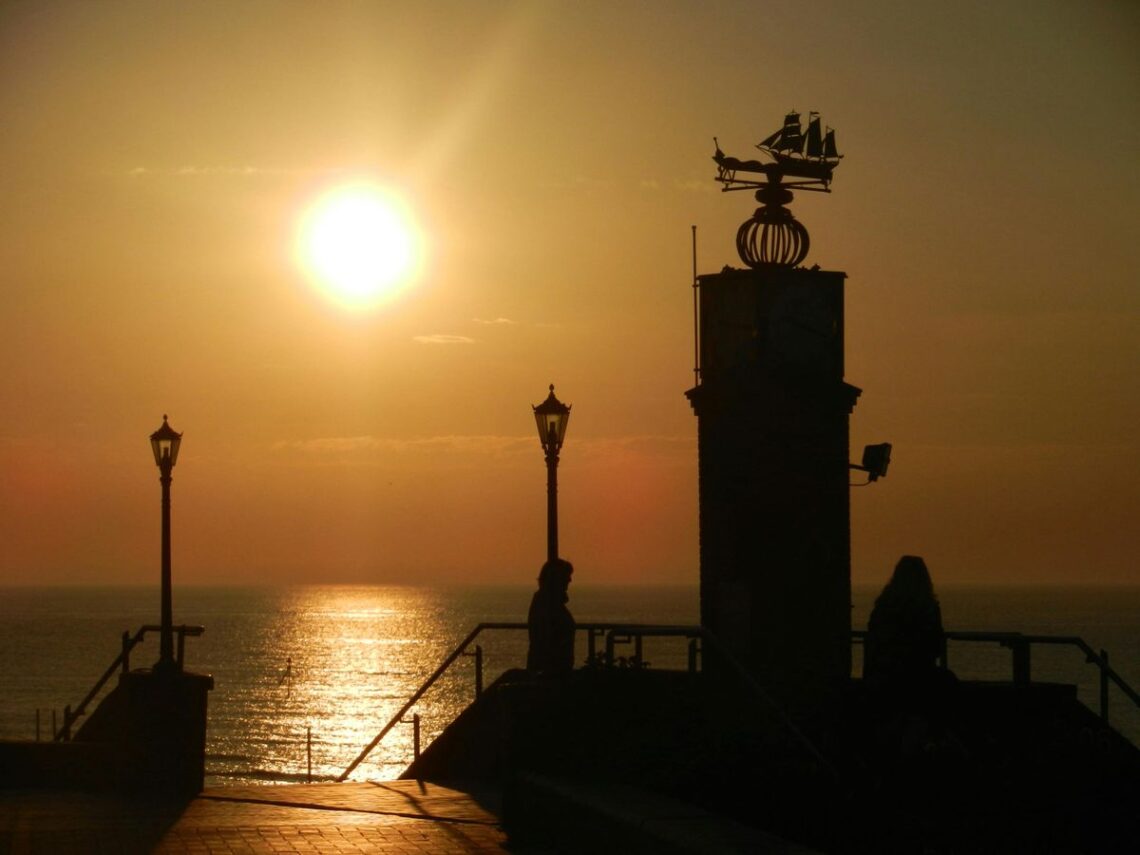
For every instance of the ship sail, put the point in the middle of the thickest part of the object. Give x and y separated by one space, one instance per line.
791 137
829 149
767 142
814 139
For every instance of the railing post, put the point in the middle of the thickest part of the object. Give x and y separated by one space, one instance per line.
1020 649
66 723
37 724
416 735
1104 685
692 656
181 645
309 754
478 671
610 649
637 650
126 651
591 647
54 732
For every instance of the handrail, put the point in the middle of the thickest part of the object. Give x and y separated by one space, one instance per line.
590 628
1019 645
419 693
613 632
727 656
122 660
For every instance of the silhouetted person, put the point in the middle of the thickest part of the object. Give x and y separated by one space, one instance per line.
913 699
550 624
904 634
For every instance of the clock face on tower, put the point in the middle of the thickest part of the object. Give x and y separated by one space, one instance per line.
803 329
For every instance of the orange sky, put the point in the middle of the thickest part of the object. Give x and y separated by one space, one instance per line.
158 157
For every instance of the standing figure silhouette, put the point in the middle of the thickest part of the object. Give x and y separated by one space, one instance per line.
550 624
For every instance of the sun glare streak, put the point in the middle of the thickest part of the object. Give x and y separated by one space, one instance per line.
501 55
360 245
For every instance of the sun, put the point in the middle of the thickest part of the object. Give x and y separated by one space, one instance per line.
360 245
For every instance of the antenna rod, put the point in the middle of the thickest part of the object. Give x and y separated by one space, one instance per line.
696 321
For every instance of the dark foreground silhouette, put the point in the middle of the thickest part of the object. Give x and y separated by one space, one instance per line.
550 624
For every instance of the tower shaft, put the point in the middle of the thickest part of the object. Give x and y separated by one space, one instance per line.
773 412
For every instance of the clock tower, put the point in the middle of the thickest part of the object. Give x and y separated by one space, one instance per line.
773 412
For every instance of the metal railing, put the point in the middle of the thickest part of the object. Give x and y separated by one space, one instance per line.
122 662
613 634
1020 648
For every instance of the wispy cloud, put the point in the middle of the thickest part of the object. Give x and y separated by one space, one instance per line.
493 445
694 185
238 171
443 338
433 445
499 321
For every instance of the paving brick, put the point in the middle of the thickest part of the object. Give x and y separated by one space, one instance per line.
397 818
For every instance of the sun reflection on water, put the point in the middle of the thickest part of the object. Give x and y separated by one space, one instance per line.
340 661
337 662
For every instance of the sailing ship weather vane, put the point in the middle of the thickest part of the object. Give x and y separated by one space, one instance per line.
772 237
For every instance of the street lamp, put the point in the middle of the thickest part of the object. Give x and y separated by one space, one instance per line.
551 416
165 442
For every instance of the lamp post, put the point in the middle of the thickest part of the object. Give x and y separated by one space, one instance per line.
165 442
551 416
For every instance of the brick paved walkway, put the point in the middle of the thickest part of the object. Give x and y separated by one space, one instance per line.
398 817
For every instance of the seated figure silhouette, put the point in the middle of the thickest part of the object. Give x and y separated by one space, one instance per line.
550 624
904 634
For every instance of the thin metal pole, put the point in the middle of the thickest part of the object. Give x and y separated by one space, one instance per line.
696 317
478 671
309 753
551 506
416 735
166 649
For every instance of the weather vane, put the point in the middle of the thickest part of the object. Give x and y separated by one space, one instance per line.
772 236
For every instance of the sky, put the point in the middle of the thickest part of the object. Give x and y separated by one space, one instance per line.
160 158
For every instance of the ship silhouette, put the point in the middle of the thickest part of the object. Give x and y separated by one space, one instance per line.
810 157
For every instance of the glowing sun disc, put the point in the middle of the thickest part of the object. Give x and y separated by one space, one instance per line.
360 244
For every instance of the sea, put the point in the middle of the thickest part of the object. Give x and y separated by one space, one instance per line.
306 676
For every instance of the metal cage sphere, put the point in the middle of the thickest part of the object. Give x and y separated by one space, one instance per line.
772 236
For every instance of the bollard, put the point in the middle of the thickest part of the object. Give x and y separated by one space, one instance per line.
1104 685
